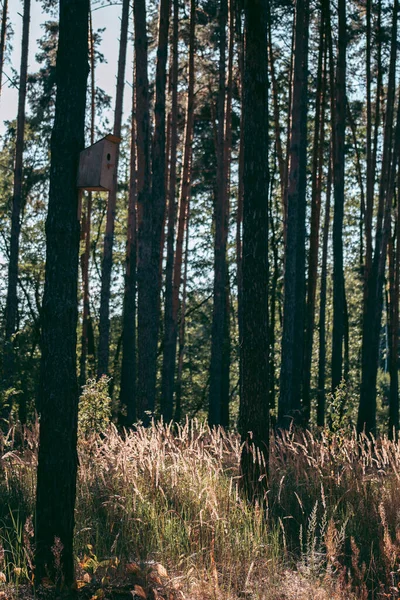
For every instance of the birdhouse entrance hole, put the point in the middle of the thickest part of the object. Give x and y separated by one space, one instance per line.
97 165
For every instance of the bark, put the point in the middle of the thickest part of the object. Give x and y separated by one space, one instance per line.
370 174
360 181
3 35
254 406
58 396
128 367
317 170
339 123
106 266
321 394
183 201
220 263
182 328
239 212
288 131
169 351
277 126
86 226
161 141
11 309
294 294
372 149
150 230
274 299
393 310
374 296
142 111
226 348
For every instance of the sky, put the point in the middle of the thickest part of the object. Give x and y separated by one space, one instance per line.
108 17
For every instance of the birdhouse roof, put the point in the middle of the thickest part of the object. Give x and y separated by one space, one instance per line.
112 138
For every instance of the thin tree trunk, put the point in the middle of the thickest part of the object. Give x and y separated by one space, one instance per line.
220 264
184 195
288 130
169 351
254 407
161 141
273 301
374 295
12 298
150 233
339 123
86 229
59 391
294 293
277 126
143 177
317 170
321 394
3 35
372 150
370 174
239 212
226 349
360 181
128 367
182 328
106 266
393 310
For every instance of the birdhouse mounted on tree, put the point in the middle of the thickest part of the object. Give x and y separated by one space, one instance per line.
97 165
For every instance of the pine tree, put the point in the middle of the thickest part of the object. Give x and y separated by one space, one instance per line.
254 406
17 201
58 397
294 293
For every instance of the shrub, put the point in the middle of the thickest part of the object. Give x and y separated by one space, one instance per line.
94 407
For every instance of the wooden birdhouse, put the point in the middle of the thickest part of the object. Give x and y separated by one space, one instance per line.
97 165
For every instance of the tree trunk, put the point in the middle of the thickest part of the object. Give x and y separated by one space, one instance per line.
360 181
182 328
374 295
220 263
183 205
12 298
339 123
371 149
128 368
239 212
254 406
58 397
169 351
3 35
106 266
277 126
393 313
294 294
317 170
150 230
86 226
226 344
321 394
143 170
370 174
273 296
288 131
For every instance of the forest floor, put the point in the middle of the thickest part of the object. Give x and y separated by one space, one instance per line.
160 515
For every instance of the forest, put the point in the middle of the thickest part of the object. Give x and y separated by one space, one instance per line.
199 299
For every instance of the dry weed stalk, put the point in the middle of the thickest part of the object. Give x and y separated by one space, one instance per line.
171 495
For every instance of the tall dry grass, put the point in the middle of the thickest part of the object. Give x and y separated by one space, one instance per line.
329 526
